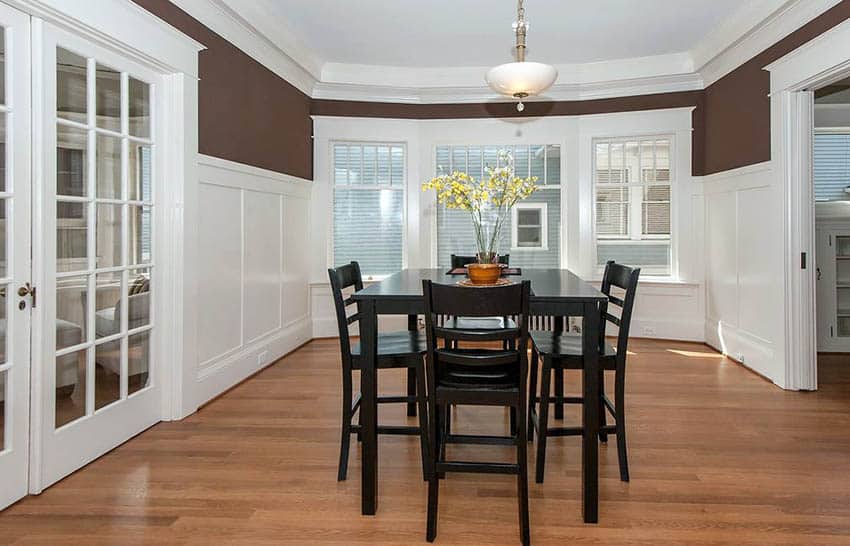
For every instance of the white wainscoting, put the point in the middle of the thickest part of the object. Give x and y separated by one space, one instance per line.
253 304
744 262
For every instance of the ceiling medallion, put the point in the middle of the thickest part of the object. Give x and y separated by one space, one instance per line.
521 79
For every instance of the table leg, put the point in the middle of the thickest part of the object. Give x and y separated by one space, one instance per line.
412 326
369 407
590 414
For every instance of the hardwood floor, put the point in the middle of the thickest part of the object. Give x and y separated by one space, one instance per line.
717 455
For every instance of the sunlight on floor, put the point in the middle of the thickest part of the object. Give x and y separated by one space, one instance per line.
696 354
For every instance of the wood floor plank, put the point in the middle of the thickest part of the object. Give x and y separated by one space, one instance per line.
718 457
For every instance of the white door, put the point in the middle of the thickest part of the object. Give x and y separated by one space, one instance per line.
97 382
14 253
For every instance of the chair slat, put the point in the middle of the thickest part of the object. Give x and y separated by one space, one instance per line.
353 318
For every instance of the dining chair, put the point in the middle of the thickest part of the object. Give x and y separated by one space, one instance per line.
482 376
563 351
404 349
463 261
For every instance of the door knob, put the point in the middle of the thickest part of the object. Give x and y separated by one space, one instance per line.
25 290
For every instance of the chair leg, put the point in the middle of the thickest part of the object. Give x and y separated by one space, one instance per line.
522 478
543 418
434 434
421 400
620 410
603 411
559 393
533 365
411 391
447 420
345 440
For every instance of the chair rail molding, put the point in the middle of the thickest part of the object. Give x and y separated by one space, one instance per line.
820 61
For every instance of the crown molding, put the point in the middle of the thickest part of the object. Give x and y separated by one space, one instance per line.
292 61
758 25
477 94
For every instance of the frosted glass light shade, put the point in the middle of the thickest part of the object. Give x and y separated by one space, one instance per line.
521 78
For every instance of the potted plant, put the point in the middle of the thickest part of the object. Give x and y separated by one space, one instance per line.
489 201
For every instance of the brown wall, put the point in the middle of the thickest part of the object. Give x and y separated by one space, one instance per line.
250 115
246 112
737 106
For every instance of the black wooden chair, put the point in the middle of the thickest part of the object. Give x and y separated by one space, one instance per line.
561 351
463 261
476 376
395 350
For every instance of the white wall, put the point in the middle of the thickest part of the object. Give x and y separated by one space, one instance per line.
671 308
252 272
744 250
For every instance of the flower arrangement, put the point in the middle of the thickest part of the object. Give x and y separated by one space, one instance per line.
489 200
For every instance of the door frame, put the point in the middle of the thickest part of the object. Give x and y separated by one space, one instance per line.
127 28
819 62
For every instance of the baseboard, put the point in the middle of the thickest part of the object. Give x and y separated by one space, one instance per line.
221 376
749 350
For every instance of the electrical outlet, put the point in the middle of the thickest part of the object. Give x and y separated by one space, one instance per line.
739 357
649 330
262 358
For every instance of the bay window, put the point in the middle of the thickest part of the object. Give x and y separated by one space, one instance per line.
533 237
632 182
368 206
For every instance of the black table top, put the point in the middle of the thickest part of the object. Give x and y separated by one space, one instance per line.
546 285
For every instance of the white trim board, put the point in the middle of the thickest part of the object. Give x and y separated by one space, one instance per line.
757 25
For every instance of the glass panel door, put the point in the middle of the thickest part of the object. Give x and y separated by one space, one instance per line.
15 306
99 269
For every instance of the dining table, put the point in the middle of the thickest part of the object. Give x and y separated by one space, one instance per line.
556 293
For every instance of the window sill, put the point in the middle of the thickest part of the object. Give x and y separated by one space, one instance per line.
656 280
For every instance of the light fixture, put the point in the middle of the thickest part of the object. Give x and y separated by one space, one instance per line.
521 79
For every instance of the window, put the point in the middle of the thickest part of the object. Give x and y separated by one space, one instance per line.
832 166
533 238
633 181
368 211
528 226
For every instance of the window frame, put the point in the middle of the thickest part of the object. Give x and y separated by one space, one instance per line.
635 234
543 207
332 144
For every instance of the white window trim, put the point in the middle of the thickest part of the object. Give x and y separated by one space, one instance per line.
402 188
544 227
633 238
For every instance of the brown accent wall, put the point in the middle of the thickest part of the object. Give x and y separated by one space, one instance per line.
532 109
246 112
737 106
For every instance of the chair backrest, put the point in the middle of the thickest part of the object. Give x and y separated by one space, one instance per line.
463 261
625 278
341 278
511 300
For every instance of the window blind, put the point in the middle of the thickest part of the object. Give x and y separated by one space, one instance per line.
455 234
369 206
831 166
633 181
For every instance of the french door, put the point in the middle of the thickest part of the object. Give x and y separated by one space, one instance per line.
15 298
96 381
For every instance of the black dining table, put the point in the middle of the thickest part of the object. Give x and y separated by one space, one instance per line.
554 292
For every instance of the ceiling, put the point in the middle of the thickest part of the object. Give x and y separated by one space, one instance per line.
457 33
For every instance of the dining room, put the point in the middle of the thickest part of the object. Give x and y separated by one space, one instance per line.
476 272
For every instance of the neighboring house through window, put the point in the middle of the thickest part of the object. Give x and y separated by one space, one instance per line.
633 181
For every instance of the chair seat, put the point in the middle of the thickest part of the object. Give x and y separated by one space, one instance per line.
479 323
564 345
484 376
397 344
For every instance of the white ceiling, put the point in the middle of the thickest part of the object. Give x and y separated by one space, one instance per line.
455 33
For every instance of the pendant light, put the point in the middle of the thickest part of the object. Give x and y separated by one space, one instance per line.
521 79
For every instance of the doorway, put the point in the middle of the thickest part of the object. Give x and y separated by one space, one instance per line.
831 180
83 155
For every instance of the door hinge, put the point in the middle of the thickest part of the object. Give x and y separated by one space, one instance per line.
831 332
803 260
